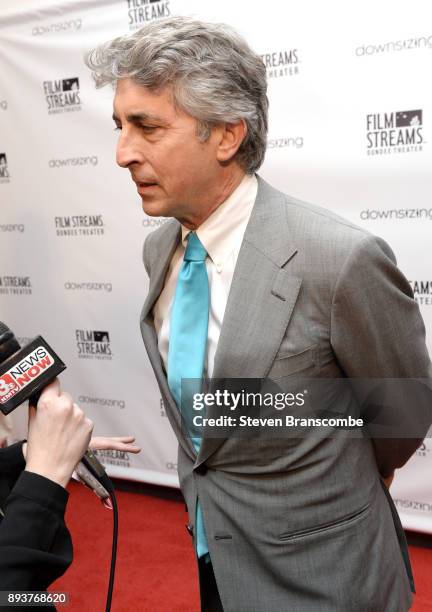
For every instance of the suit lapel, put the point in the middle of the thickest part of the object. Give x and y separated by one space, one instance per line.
161 258
261 299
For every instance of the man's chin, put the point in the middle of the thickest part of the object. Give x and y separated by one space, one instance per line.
154 209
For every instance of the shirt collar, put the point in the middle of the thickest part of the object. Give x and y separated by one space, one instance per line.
223 230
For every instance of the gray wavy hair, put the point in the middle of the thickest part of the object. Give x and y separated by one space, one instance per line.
214 75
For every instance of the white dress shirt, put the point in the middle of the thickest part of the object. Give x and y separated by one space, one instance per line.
221 234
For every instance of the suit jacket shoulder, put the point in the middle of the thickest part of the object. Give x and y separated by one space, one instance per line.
323 240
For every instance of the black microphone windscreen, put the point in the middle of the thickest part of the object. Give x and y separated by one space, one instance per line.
8 343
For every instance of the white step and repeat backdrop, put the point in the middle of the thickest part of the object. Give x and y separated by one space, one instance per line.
350 129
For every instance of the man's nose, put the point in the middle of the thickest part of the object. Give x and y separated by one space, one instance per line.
127 151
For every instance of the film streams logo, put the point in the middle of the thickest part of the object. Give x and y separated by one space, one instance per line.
15 285
141 12
73 25
24 372
396 45
12 227
397 132
113 457
285 143
79 225
4 170
62 96
422 290
93 344
102 401
281 63
88 286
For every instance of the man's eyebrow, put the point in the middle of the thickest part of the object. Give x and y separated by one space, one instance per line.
140 117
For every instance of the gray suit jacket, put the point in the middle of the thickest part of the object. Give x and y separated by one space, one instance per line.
301 524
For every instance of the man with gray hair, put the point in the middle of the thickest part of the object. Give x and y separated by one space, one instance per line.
246 282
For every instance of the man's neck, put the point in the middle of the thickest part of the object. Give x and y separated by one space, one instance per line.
226 187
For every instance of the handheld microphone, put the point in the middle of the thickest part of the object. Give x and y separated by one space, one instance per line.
24 372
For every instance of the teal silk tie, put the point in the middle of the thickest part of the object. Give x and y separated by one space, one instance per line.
187 347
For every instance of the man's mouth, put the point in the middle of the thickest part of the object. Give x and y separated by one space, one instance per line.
144 185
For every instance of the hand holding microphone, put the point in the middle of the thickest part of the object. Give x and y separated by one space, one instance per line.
24 373
59 424
58 435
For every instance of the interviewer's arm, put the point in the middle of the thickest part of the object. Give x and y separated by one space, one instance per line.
12 463
35 545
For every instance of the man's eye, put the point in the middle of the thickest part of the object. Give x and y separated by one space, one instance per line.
148 128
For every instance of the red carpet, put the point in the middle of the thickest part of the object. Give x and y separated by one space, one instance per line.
155 564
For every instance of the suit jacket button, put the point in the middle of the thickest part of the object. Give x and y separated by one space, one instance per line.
201 469
189 529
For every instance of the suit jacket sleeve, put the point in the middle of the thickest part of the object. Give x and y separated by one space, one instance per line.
377 332
35 544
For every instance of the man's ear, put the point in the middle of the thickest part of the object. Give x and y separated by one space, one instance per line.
231 137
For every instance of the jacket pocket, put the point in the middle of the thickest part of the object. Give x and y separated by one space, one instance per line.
285 365
346 521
